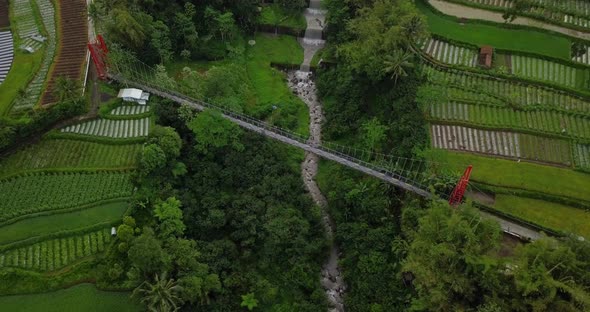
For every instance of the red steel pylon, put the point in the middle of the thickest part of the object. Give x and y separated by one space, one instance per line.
98 51
459 191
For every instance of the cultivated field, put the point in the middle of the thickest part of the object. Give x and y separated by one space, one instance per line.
117 129
72 48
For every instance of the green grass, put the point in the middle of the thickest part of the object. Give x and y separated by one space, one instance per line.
269 84
23 69
550 215
499 37
511 174
45 225
83 297
61 153
275 15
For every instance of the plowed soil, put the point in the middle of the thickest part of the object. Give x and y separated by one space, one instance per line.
71 54
4 22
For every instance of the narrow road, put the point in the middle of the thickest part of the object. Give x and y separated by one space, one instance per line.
459 10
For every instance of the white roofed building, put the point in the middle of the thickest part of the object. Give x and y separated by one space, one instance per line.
134 95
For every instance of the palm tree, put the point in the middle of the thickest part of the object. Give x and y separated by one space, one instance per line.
397 64
66 89
160 296
414 28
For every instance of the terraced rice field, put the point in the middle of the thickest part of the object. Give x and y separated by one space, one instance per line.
6 54
72 47
544 70
451 54
130 110
40 192
54 254
524 94
582 156
501 143
542 121
568 12
35 87
70 154
119 129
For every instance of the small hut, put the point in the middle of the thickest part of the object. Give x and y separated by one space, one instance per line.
485 56
134 95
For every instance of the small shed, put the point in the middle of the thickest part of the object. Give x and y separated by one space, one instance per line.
485 56
134 95
113 231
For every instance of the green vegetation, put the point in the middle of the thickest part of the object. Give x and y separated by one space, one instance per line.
524 40
274 15
519 175
42 192
83 297
51 255
45 225
24 67
60 154
551 215
269 83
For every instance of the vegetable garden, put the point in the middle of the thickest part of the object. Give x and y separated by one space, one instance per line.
128 128
38 192
451 54
59 154
54 254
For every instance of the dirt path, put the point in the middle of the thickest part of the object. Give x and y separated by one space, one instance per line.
458 10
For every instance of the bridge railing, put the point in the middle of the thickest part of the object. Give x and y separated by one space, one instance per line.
394 167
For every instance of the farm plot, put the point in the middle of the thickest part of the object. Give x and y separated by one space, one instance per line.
35 87
582 156
544 70
54 254
25 25
501 143
72 47
70 154
521 94
45 192
6 54
4 20
128 110
542 121
119 129
451 54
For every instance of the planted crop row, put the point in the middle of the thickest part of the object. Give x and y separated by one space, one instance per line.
38 192
501 143
448 53
130 110
112 128
539 69
582 156
70 154
569 13
54 254
35 87
551 122
510 92
72 48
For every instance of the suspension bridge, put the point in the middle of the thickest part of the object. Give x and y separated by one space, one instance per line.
408 174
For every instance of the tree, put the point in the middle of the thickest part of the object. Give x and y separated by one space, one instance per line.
162 295
249 301
374 134
214 131
397 64
152 158
146 253
125 29
449 259
67 89
169 216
